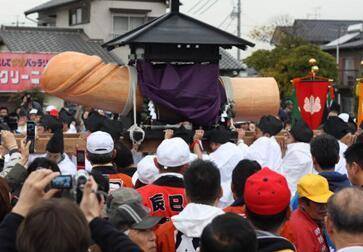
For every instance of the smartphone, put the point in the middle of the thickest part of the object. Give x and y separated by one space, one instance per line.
81 159
30 135
62 182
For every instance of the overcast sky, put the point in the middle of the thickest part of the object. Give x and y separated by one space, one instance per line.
254 12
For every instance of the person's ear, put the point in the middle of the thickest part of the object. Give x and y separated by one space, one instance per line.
220 193
156 163
113 153
338 159
329 226
184 168
355 168
315 163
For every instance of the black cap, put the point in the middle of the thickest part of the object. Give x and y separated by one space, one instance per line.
183 133
133 215
301 132
56 143
270 124
65 116
96 122
218 135
336 127
52 123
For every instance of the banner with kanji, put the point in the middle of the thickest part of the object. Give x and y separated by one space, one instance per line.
311 97
21 71
359 91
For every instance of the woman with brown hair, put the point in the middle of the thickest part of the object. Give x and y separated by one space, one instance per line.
5 205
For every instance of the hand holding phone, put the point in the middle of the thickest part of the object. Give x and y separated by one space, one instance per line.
81 159
30 135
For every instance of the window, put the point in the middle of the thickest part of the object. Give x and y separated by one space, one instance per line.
349 72
123 24
75 16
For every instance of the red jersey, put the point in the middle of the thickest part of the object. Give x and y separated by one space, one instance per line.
305 233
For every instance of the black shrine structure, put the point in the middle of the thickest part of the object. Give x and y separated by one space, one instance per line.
176 37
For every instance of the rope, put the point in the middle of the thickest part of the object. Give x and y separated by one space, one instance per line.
135 128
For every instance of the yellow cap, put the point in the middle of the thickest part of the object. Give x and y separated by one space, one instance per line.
315 188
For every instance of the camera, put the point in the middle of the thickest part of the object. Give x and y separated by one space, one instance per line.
73 186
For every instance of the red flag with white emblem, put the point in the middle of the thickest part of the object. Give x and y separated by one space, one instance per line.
311 96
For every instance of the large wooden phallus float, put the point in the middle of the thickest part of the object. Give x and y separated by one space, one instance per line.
86 80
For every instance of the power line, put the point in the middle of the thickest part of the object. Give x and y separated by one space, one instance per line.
210 6
195 5
229 24
201 7
224 20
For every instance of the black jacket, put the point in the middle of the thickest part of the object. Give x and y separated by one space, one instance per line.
8 228
269 242
103 233
109 239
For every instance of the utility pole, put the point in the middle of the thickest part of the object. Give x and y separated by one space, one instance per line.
239 17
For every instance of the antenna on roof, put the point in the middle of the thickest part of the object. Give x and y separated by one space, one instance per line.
174 6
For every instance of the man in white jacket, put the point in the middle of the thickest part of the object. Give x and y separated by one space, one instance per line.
265 150
203 190
226 156
297 161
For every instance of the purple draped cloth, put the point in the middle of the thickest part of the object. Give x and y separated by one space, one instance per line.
191 91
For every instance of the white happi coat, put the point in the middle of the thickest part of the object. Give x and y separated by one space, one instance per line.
267 152
296 164
341 166
226 157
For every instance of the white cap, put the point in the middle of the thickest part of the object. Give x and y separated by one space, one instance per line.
33 111
50 108
100 142
173 152
146 171
344 117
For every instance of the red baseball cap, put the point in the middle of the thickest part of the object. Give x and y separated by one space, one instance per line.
54 113
267 192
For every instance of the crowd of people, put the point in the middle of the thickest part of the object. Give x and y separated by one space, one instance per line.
201 192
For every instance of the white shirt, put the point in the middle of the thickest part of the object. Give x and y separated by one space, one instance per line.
226 157
296 163
351 249
267 152
341 166
72 129
66 166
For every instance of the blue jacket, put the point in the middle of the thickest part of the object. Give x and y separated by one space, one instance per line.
336 180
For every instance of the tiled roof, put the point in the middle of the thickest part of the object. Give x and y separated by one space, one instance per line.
48 5
39 39
56 3
318 30
228 62
348 45
178 28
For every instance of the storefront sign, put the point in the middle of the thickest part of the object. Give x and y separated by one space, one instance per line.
21 71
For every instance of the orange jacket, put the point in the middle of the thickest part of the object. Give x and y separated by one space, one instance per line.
120 179
240 210
163 201
165 237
